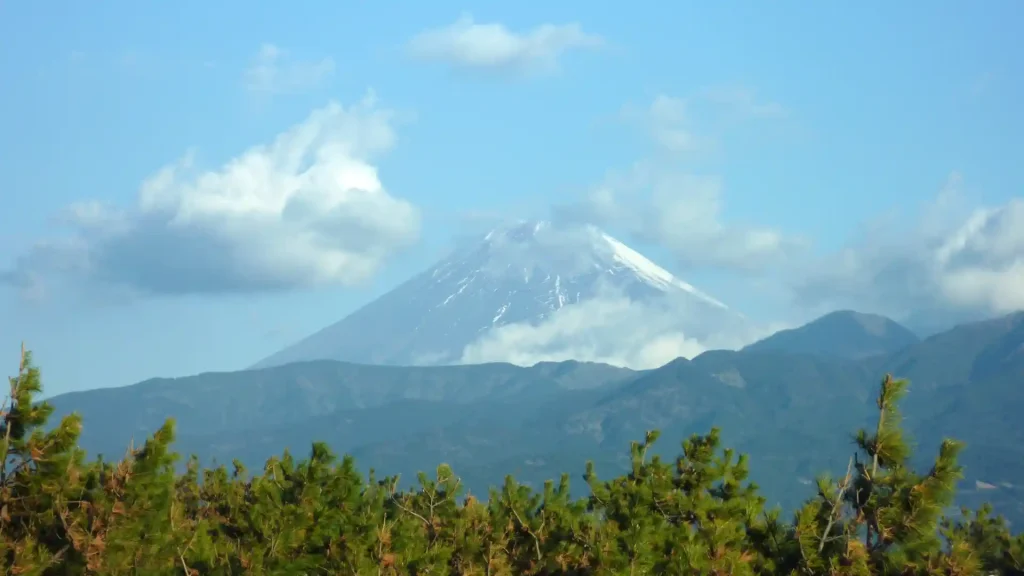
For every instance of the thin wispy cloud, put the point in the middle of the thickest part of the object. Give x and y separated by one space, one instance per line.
491 46
981 85
667 122
953 254
743 102
659 201
275 71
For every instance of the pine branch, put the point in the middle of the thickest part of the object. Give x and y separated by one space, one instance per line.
883 401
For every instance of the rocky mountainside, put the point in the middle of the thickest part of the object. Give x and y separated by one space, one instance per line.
514 274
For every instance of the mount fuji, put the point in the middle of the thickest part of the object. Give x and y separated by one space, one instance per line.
525 274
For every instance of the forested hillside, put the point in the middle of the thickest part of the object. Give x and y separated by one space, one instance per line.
62 512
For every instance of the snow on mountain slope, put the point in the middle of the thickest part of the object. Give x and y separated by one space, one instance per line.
651 272
522 273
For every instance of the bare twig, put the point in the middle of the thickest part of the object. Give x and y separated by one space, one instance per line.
394 498
881 421
836 505
536 540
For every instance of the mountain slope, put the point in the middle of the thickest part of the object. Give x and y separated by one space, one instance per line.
519 273
306 395
844 333
955 357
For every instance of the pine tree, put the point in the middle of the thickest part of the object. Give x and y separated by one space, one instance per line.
39 474
882 517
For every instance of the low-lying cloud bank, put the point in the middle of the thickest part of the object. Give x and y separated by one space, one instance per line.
616 330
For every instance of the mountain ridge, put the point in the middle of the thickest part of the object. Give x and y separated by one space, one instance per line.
841 333
492 418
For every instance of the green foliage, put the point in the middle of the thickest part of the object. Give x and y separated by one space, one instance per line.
61 514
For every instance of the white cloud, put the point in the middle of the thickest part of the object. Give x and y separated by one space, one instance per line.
952 256
667 122
660 202
468 44
615 330
273 71
682 212
307 209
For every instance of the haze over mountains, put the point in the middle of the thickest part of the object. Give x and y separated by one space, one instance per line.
792 409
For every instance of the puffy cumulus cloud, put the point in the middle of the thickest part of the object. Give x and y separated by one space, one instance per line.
274 71
617 330
951 256
468 44
659 201
306 210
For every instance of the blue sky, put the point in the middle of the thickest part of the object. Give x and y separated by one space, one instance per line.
749 147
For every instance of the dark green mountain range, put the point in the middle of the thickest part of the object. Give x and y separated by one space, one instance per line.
789 401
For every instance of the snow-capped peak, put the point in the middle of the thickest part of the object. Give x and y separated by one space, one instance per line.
518 231
574 250
523 273
651 272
